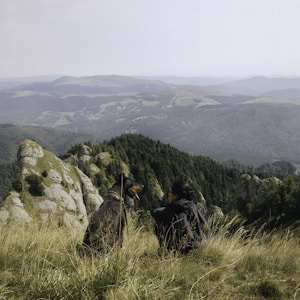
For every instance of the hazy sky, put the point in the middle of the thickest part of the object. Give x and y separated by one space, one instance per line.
150 37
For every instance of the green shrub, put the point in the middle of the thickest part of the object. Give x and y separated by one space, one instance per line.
17 184
36 187
45 173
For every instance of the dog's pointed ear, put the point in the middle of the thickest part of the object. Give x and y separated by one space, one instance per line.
120 178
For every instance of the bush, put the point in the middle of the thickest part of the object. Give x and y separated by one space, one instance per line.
45 173
36 187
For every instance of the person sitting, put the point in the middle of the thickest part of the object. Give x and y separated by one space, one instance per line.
180 225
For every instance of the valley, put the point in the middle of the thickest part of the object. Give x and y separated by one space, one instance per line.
209 120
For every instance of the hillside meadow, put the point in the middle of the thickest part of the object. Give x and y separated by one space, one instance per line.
41 262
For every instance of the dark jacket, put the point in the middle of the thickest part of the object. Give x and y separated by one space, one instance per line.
179 225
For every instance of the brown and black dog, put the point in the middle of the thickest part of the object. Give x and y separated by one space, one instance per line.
106 227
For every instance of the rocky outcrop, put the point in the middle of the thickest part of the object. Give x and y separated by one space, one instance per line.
66 195
13 209
252 188
214 211
84 156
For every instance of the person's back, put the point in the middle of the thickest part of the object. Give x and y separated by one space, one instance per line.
178 226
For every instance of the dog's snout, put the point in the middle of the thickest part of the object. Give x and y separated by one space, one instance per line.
137 187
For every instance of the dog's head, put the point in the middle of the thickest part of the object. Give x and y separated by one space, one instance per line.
131 188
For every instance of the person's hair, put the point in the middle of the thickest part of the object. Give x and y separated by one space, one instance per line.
183 190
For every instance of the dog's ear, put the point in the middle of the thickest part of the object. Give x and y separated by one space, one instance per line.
120 178
123 179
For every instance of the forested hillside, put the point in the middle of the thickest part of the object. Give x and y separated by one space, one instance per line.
154 163
7 174
157 165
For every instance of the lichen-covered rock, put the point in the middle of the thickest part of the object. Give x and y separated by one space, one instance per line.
29 152
68 195
13 209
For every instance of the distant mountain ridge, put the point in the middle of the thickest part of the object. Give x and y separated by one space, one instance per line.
221 121
6 83
254 86
68 85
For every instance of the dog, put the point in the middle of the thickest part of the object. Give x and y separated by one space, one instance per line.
106 228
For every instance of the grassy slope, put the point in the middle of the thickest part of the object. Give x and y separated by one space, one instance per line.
40 262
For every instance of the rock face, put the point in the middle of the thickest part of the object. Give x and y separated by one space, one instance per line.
252 187
66 195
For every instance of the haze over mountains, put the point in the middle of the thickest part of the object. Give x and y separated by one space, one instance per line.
253 120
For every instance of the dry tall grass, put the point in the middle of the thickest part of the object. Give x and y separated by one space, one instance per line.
40 262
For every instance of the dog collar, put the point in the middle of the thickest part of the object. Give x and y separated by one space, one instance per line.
115 195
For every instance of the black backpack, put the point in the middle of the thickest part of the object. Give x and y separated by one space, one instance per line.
180 225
